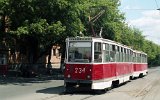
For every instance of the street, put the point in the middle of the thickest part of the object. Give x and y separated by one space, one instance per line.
146 88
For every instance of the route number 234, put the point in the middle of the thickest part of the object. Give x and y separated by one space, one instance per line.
80 70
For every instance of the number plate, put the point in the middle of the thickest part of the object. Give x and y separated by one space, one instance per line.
80 70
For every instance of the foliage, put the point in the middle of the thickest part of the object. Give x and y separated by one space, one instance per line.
35 25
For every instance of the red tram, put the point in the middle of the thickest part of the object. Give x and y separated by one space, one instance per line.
98 63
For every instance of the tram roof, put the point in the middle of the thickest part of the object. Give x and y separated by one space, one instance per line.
102 40
88 39
96 39
140 52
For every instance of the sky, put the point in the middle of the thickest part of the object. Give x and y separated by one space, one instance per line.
143 14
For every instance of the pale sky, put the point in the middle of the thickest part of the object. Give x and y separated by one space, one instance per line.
143 14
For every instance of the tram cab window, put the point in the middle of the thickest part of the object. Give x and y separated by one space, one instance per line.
97 52
79 52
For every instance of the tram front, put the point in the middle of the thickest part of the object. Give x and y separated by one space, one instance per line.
78 67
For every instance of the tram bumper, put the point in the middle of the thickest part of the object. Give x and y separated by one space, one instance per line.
87 84
78 84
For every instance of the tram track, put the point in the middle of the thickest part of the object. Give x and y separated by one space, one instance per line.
146 89
150 89
50 97
150 81
136 93
138 89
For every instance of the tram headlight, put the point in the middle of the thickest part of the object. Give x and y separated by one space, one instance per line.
68 76
88 77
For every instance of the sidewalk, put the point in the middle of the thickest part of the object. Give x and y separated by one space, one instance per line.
37 79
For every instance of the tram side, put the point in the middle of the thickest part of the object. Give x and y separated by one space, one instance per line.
107 63
140 65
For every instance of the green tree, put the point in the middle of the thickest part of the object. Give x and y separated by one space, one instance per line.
35 25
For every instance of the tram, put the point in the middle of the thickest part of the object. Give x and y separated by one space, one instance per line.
97 63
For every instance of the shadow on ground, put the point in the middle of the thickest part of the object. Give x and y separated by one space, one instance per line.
13 78
60 91
5 80
52 90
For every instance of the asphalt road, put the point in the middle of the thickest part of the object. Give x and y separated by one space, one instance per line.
146 88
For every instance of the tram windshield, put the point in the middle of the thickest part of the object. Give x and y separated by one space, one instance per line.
79 52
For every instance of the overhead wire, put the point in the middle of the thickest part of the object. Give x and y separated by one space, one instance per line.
156 3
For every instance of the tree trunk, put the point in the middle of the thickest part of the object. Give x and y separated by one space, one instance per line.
63 54
3 23
49 58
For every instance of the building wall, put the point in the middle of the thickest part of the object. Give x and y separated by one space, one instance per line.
55 55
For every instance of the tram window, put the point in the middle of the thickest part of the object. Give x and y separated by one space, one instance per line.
127 58
79 52
135 57
97 52
112 53
130 55
107 46
110 47
138 58
121 55
124 54
142 58
118 54
146 58
97 47
113 48
106 55
118 48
